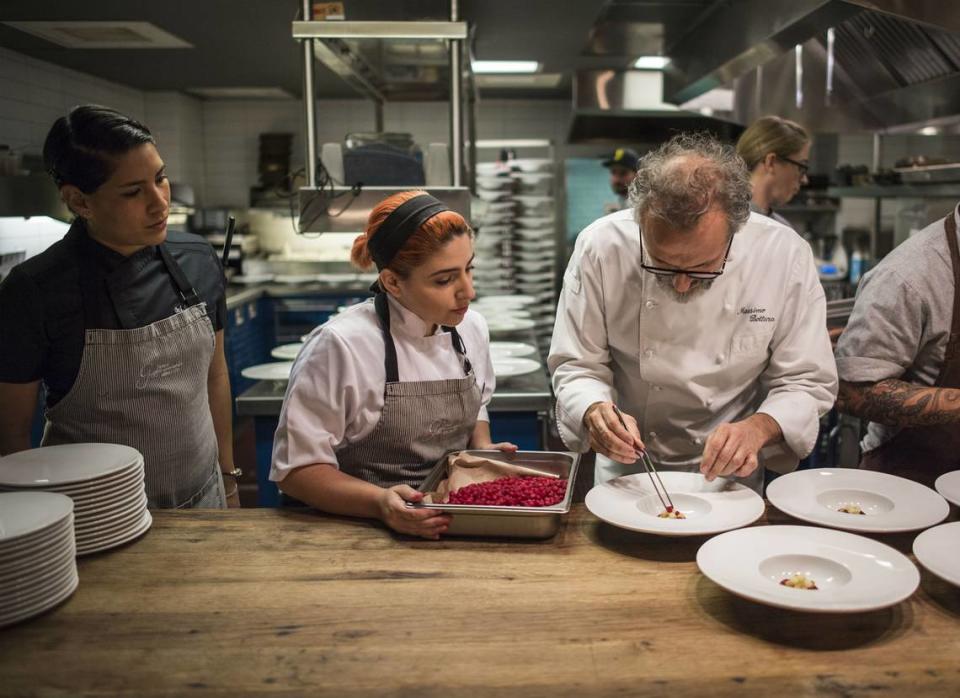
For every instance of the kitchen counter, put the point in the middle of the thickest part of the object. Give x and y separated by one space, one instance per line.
529 392
263 602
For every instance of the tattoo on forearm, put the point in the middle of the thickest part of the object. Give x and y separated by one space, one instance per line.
901 404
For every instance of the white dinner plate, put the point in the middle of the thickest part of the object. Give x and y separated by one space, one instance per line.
513 366
287 352
49 602
41 583
890 504
503 313
514 300
105 543
27 546
496 324
50 466
248 279
938 549
80 491
511 349
948 485
631 502
852 574
25 513
279 371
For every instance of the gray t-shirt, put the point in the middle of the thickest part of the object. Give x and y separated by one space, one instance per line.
901 321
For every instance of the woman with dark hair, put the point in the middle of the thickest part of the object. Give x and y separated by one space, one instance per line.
121 321
383 390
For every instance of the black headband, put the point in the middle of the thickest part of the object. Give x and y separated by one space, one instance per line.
400 225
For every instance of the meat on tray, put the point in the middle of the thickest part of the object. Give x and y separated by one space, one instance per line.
512 492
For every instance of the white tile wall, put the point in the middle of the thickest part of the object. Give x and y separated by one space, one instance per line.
29 235
33 94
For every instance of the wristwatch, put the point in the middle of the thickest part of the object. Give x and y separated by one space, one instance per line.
235 473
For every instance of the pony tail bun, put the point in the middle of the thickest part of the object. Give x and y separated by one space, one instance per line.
360 252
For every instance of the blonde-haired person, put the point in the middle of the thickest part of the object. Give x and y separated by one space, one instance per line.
383 390
777 153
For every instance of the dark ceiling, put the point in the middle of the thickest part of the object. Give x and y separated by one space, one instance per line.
247 43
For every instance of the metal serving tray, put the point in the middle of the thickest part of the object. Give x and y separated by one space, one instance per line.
515 522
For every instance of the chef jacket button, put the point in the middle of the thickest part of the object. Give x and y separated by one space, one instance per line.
728 306
653 434
648 353
651 304
657 388
721 358
698 441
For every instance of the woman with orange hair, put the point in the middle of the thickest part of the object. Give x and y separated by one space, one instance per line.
380 392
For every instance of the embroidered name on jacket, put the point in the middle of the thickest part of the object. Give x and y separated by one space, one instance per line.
756 314
148 373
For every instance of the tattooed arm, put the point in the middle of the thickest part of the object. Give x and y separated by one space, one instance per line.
901 404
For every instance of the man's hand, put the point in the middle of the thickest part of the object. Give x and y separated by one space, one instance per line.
426 523
732 448
607 435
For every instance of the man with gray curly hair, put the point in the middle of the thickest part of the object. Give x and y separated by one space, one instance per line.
703 323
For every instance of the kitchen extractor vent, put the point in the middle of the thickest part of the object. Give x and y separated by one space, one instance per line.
100 35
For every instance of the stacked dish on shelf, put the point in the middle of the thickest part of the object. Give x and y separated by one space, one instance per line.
516 245
105 482
38 564
534 241
494 220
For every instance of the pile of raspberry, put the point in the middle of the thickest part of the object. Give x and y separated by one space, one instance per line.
513 492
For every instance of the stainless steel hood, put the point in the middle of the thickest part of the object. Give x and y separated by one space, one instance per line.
620 107
893 62
889 73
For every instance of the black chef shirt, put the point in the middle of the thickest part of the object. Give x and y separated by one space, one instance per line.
42 319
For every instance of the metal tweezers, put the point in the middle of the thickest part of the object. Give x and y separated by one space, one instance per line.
647 464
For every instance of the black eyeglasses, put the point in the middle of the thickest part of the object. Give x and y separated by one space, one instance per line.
664 271
802 166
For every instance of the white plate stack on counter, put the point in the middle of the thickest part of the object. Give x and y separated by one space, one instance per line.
38 563
105 482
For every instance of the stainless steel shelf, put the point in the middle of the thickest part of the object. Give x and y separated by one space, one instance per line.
901 191
379 30
339 210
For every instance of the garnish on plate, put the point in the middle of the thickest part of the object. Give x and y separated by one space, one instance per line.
799 581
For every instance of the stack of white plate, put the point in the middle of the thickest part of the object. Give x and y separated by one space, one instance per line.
105 482
38 565
493 218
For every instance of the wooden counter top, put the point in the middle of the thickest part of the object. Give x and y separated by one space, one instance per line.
254 602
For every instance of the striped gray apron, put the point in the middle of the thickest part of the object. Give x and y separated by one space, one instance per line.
147 388
420 421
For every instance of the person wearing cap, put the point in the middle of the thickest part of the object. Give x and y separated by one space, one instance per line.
383 390
623 168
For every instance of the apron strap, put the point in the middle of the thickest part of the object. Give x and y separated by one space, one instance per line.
390 354
187 292
951 227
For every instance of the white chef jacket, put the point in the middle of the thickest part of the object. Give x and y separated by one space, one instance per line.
335 393
756 341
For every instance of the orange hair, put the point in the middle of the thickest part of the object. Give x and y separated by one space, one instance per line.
427 240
